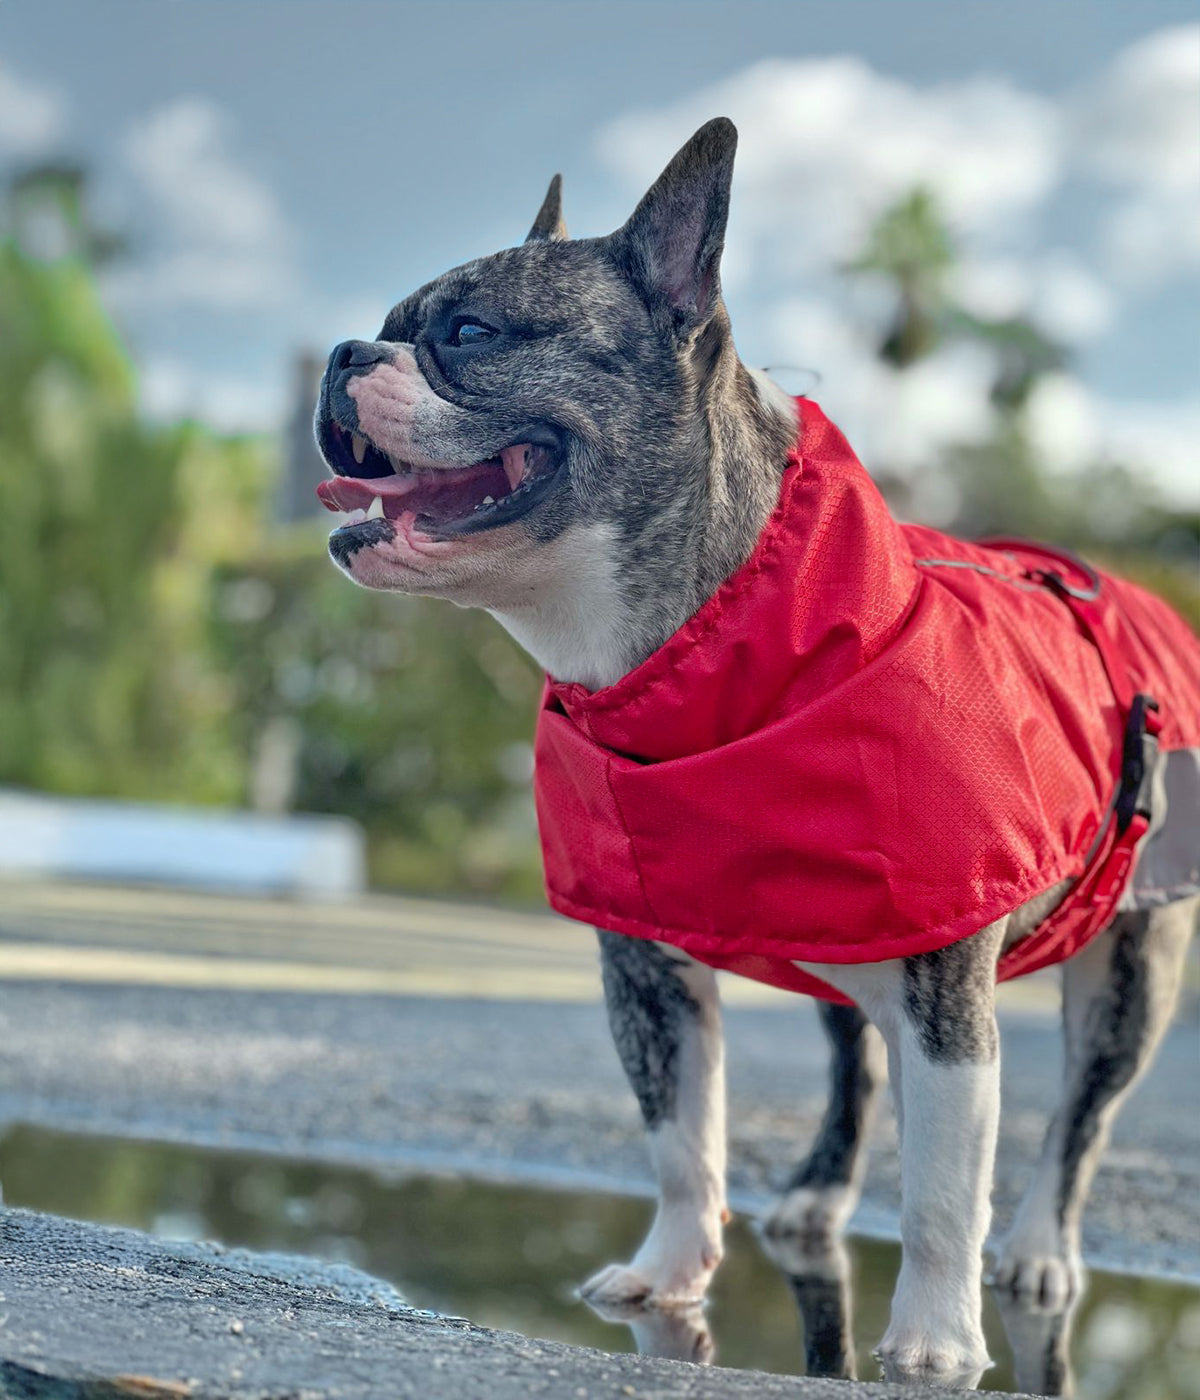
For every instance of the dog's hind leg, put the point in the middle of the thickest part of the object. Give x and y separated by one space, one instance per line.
665 1017
1118 996
822 1192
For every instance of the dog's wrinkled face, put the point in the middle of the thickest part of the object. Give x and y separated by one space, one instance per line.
524 396
477 416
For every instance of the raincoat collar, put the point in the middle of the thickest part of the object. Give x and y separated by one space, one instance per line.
788 618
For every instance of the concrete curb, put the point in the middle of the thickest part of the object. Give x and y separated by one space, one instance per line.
96 1313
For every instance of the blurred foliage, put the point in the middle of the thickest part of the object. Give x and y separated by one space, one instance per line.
105 684
999 487
908 247
410 715
161 638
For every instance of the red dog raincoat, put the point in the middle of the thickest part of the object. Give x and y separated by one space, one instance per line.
872 741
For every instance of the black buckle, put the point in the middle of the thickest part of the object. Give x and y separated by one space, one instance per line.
1139 754
1053 579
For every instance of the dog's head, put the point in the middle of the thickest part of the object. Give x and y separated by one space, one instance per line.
531 397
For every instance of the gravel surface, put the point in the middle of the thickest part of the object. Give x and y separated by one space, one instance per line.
513 1089
94 1313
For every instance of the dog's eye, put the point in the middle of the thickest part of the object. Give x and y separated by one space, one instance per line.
470 333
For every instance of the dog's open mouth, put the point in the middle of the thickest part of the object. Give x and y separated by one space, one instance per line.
443 500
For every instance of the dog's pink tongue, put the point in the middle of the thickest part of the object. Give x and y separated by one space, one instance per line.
355 493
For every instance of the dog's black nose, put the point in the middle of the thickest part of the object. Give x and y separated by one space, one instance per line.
357 354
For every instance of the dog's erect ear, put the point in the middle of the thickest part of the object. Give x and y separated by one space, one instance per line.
549 225
671 247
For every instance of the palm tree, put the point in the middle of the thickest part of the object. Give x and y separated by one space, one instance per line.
911 246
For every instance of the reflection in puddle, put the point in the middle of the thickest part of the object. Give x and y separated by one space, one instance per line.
511 1257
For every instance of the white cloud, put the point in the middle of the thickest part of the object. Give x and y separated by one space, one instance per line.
1138 123
32 118
224 240
1158 438
1136 129
827 144
1148 241
1064 423
1072 427
1068 300
180 154
1055 289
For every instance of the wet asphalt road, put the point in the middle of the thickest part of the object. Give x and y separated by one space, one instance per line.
516 1089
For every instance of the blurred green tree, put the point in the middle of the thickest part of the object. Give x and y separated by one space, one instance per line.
103 683
409 714
999 485
909 247
159 639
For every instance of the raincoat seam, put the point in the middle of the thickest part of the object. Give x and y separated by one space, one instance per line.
633 853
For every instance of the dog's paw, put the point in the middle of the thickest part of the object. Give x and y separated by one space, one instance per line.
1043 1279
809 1218
934 1336
616 1287
623 1286
639 1285
922 1355
672 1269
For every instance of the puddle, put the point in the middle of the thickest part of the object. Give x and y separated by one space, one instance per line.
509 1257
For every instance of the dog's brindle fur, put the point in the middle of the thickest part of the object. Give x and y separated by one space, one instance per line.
673 455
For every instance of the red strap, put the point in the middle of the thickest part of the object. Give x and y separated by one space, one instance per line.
1091 903
1078 585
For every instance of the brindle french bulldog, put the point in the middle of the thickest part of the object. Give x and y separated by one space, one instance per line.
483 443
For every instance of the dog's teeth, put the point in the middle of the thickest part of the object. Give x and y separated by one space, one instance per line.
360 448
488 501
375 510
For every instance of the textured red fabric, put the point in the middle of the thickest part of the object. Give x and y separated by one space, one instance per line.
872 741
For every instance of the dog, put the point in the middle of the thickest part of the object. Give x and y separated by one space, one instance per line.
562 433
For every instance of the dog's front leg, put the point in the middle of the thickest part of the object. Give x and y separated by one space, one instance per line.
937 1016
665 1018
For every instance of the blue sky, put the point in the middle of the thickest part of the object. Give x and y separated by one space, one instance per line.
288 168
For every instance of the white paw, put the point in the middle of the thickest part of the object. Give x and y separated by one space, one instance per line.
1040 1278
811 1218
617 1286
934 1335
932 1357
673 1267
621 1286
